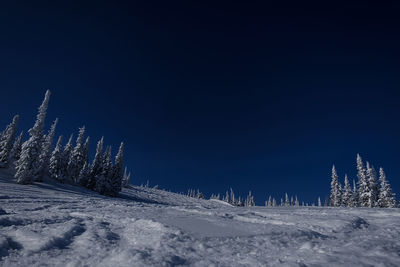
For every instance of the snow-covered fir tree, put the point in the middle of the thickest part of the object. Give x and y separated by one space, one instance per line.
44 157
319 202
17 147
97 163
269 203
126 179
86 151
287 203
56 162
65 158
373 186
83 177
232 197
27 165
77 158
249 202
386 197
117 174
274 202
103 185
336 192
364 193
355 196
347 193
296 202
6 142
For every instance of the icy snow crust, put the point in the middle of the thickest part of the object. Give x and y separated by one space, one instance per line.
61 225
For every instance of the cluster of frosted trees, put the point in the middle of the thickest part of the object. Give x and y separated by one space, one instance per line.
35 158
366 193
236 201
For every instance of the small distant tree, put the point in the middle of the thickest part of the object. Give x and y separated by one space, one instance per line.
355 196
319 202
287 202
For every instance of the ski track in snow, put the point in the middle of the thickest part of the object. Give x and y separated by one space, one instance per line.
49 224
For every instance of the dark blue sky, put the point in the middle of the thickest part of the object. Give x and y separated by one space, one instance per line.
250 96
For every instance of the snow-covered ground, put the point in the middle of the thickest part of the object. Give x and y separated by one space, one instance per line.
61 225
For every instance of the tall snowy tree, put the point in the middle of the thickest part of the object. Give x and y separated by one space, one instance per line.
28 163
96 167
66 155
86 151
17 147
117 174
336 194
355 199
83 177
363 186
373 186
103 184
319 202
386 196
77 158
6 142
56 162
347 194
44 157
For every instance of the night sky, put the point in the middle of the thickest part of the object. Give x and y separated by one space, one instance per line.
245 95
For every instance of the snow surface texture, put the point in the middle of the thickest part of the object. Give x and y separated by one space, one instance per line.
60 225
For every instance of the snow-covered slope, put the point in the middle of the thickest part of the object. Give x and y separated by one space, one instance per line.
61 225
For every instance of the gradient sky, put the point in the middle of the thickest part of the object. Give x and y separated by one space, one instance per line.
250 96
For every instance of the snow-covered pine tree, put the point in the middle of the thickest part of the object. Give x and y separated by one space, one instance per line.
77 158
103 184
249 202
270 201
27 165
96 168
355 196
126 178
44 157
17 147
56 162
363 187
6 142
65 159
386 197
232 197
287 203
84 175
296 202
347 193
319 202
117 174
373 186
273 202
86 151
335 196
